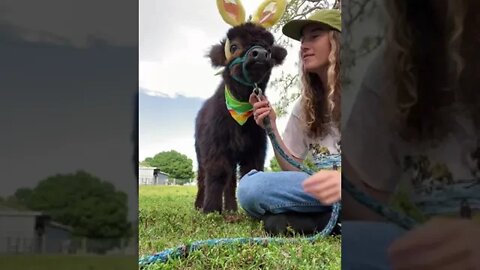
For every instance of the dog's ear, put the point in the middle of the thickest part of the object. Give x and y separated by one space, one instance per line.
278 54
217 55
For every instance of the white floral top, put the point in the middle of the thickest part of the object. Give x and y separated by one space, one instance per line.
435 178
325 152
444 176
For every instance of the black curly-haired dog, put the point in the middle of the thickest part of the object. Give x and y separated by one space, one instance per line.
221 143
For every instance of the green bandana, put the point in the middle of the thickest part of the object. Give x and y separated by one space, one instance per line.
240 111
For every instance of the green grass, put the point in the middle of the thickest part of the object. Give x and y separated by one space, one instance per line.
168 219
70 262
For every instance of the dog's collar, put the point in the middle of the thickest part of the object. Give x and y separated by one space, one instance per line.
239 110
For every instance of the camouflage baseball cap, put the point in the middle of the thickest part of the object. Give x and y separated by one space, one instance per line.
330 18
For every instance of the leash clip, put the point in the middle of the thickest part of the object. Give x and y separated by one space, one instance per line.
257 91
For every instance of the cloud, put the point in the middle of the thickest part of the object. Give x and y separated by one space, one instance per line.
162 24
186 71
174 41
184 68
56 21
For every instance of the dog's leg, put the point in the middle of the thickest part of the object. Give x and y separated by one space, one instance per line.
216 176
229 194
252 163
201 188
254 157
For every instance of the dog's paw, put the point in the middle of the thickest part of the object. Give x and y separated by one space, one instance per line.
232 218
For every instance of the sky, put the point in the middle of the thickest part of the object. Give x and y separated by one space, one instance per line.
175 76
63 21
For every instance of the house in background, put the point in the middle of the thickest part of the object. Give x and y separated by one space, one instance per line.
57 237
152 176
31 232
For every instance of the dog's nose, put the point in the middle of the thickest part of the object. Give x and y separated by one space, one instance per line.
259 54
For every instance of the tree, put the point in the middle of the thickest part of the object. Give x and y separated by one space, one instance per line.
145 163
354 45
308 162
274 166
22 195
176 165
182 181
12 203
93 208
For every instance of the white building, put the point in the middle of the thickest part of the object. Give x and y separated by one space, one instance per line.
151 176
18 231
30 232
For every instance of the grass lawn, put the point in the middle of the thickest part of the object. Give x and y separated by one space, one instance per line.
168 219
70 262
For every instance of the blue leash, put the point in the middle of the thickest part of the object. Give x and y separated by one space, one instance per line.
389 213
183 251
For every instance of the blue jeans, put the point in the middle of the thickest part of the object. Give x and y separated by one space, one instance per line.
276 192
365 244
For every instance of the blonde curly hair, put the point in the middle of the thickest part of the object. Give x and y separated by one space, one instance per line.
321 107
432 63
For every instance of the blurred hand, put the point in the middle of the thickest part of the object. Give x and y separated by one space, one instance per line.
325 185
440 243
262 109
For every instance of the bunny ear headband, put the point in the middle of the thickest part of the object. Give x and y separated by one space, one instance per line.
267 15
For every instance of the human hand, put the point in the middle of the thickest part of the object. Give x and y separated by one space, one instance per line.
325 185
440 243
262 109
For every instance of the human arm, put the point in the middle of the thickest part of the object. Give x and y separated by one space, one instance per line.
262 109
372 152
352 209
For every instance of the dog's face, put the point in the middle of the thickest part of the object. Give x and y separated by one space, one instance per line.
255 45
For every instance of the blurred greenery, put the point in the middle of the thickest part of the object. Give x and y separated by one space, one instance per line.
93 208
